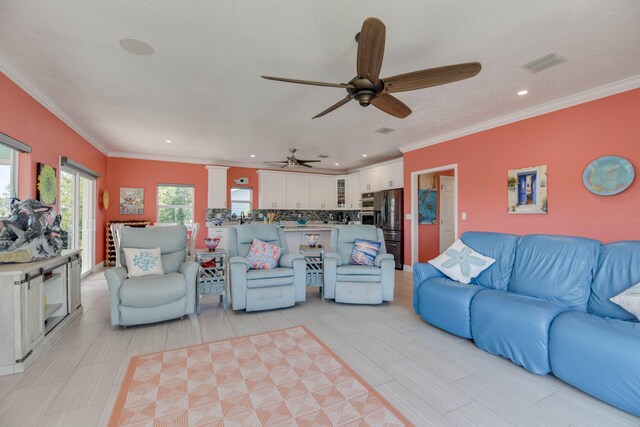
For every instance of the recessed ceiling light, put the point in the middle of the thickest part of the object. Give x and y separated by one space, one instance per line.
323 156
364 155
168 141
337 164
253 155
136 47
523 92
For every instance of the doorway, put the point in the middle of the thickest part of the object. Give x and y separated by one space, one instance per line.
77 207
446 214
434 204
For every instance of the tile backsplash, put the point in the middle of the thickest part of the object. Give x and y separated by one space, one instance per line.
288 215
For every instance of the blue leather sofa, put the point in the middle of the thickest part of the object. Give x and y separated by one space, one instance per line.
545 305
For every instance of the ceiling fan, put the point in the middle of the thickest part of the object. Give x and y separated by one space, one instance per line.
368 88
292 161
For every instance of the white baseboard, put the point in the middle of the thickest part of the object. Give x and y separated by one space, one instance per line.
99 266
408 268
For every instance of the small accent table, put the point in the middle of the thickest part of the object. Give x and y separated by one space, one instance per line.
314 257
211 276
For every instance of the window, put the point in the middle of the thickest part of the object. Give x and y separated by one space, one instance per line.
241 200
8 178
175 204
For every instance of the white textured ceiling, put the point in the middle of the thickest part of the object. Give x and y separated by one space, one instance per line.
201 87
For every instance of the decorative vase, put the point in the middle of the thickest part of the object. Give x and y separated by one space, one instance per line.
212 244
312 239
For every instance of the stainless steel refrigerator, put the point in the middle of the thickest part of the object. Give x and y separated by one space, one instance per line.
388 210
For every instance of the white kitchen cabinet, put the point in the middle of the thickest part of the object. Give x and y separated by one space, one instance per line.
370 180
353 192
297 191
391 175
322 192
341 192
217 187
273 190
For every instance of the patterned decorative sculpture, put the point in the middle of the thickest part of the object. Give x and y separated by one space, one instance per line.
31 233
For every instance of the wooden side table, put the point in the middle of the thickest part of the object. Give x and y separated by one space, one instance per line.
212 275
314 257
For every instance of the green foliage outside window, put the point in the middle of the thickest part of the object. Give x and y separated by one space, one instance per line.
175 204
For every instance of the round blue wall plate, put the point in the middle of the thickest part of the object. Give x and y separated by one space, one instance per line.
608 175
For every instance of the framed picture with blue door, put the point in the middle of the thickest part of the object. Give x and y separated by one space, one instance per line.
527 190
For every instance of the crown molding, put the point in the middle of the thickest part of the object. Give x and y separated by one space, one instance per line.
18 78
558 104
161 158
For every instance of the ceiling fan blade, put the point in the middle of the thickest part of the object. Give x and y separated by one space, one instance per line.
371 49
305 165
283 166
306 82
431 77
279 161
391 105
334 106
308 161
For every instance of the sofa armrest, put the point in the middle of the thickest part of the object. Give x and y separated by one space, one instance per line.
115 277
189 270
238 267
237 261
329 274
387 276
335 256
380 257
286 260
421 272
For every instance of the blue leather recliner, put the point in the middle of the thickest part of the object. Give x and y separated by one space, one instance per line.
545 305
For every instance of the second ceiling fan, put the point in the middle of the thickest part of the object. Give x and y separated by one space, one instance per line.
368 88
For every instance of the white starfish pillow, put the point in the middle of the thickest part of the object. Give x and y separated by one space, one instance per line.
629 300
461 263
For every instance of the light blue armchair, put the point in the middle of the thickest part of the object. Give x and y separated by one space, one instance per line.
150 299
255 290
357 284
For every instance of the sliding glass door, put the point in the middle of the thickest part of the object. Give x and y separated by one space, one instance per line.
77 206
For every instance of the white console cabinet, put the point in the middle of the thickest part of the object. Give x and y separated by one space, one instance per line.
38 300
217 187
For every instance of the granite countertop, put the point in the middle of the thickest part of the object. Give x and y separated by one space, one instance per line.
289 225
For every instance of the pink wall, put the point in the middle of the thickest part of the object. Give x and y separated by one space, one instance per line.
429 234
148 174
566 141
25 119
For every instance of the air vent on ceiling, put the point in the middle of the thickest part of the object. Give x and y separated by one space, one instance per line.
544 63
384 130
323 156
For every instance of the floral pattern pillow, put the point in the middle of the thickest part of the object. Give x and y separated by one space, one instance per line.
143 262
263 255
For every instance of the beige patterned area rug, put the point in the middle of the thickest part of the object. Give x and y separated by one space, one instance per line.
282 378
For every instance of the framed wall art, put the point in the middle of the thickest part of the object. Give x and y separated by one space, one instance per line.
527 190
131 201
47 184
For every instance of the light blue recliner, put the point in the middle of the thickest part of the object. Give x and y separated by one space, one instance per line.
357 284
149 299
254 290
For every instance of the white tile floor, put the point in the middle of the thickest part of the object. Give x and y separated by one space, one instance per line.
433 378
